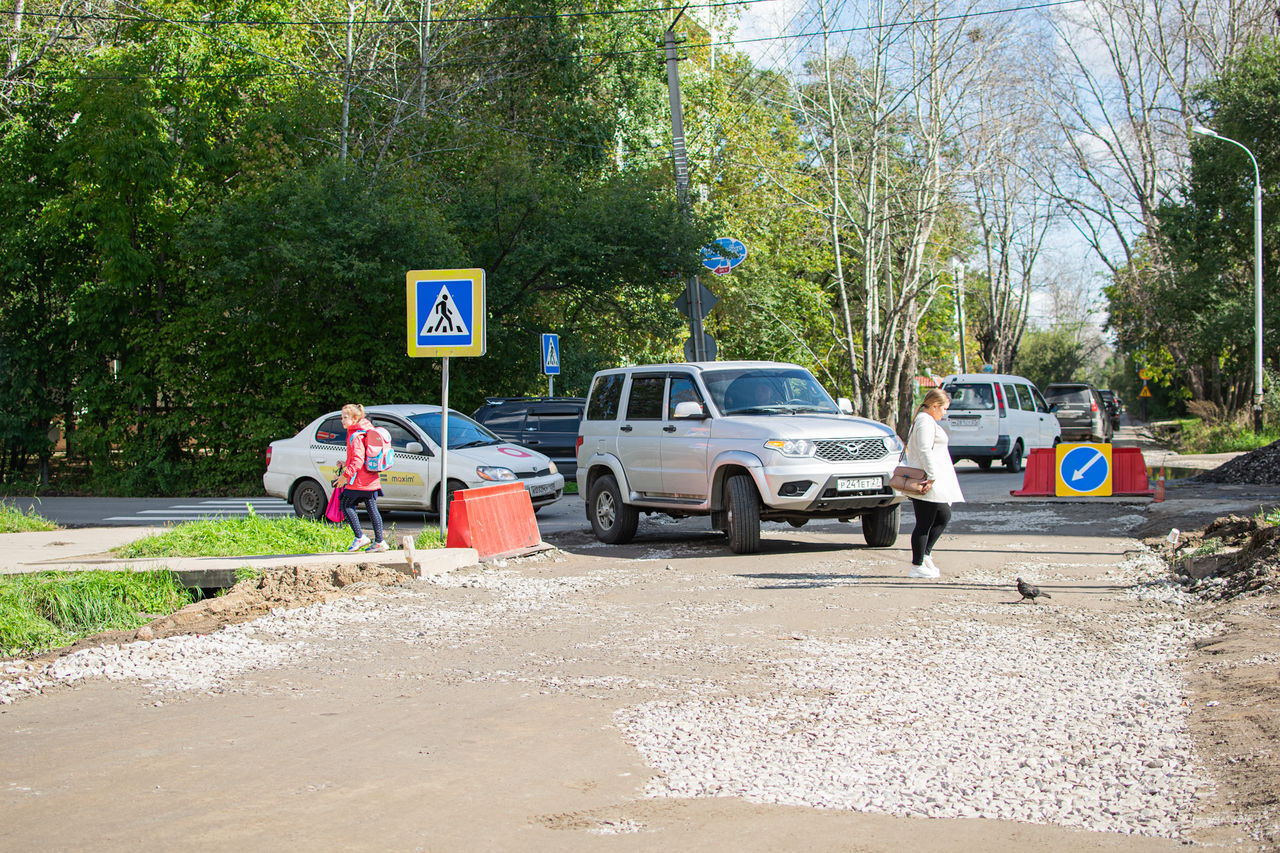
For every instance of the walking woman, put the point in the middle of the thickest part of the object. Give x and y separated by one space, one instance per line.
927 449
363 486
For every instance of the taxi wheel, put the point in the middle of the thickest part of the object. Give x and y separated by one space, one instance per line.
454 486
309 500
612 521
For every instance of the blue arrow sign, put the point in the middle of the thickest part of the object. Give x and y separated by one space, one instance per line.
551 355
1084 469
723 255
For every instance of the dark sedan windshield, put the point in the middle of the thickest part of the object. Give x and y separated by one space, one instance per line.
766 391
463 432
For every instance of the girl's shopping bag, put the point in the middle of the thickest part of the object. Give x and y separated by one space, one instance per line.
333 512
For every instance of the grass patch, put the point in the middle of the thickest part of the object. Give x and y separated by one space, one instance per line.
48 610
14 520
1193 435
570 487
255 534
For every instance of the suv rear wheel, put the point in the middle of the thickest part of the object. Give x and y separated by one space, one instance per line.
743 523
612 521
880 526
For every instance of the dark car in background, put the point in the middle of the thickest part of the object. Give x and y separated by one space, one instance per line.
1114 406
1080 411
548 425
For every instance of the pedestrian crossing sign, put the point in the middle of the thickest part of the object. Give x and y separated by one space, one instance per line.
551 355
446 312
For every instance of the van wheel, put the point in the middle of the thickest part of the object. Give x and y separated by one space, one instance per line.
743 520
984 464
612 521
1013 462
880 526
309 500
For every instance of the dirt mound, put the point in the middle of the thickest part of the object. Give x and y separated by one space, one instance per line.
1232 556
288 587
1257 467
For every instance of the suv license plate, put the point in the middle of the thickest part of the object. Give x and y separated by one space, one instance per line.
858 484
539 491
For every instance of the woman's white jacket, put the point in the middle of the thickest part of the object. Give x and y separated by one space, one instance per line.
927 449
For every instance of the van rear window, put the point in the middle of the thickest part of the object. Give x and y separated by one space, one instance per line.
971 396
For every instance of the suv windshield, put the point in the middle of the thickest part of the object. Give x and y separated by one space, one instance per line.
971 396
763 391
1077 395
463 432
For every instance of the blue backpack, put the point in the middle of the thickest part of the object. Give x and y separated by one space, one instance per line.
378 454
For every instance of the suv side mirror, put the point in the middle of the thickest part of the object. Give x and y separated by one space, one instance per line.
846 406
1053 407
690 409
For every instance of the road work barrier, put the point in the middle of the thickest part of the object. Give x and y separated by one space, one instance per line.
1128 474
497 521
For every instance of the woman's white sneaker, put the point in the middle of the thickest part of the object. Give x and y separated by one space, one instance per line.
928 564
922 571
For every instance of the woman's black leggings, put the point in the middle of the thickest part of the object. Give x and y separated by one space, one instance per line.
931 520
348 501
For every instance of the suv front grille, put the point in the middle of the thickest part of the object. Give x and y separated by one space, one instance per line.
851 449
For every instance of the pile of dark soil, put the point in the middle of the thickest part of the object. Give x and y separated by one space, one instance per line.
287 588
1233 556
1258 467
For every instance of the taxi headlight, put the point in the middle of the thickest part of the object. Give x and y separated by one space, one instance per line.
554 469
792 446
495 473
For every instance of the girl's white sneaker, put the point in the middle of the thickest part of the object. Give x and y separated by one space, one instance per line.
357 544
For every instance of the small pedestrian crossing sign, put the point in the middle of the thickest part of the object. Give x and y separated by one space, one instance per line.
446 312
551 355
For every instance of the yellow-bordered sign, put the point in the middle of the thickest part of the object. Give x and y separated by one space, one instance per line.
446 312
1082 470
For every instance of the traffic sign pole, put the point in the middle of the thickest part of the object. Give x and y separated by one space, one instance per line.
444 451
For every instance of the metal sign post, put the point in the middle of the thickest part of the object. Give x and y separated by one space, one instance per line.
446 317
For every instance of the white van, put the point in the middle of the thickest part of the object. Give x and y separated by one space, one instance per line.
996 416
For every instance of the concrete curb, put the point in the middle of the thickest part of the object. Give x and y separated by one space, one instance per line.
86 549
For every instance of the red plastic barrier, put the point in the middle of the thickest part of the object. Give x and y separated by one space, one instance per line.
1037 477
495 520
1129 472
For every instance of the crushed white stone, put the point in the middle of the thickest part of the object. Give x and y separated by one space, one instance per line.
1052 715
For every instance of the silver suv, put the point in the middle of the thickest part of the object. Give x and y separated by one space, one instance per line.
741 441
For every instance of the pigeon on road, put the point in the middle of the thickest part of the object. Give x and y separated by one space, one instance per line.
1031 592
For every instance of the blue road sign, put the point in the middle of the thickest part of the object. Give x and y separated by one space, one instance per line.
1085 469
446 312
551 355
723 254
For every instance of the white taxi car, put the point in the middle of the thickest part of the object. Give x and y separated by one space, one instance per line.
300 469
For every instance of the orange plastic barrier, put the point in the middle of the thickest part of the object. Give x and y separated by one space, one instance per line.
1128 474
1037 477
495 520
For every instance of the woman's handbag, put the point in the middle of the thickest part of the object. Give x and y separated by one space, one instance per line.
333 511
909 480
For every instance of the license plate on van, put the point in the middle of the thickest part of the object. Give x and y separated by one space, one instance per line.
963 423
857 484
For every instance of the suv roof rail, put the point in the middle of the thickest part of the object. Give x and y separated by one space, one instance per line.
496 401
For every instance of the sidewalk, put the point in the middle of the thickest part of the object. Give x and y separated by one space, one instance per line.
86 548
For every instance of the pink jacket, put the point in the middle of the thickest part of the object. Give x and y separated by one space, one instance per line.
359 477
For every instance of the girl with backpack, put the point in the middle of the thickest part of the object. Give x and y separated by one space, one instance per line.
363 486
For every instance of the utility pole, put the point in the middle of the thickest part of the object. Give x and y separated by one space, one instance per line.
693 288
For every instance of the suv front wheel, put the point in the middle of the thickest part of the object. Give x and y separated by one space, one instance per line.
612 521
880 526
743 514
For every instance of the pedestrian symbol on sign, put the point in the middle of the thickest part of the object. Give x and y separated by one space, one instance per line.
443 318
551 354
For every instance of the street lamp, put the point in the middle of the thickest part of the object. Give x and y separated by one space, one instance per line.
1257 272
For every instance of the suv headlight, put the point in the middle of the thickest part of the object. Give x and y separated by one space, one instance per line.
893 444
792 446
493 472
